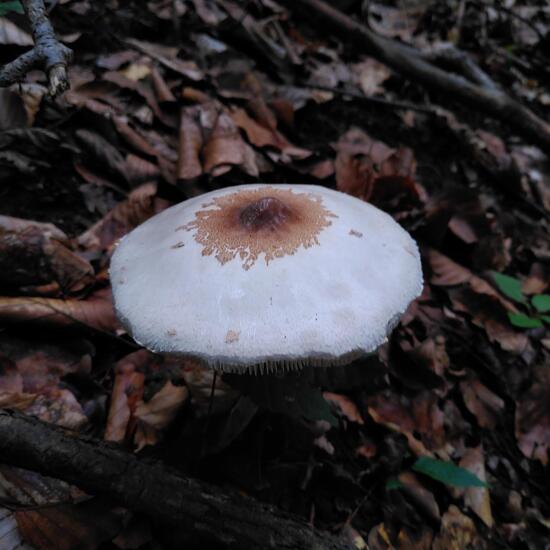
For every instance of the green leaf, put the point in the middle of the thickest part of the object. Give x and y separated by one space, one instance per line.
509 286
7 7
524 321
545 318
541 302
393 483
447 472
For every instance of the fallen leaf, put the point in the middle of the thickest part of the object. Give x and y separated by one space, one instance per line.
34 254
370 74
422 497
190 144
533 418
225 148
419 419
344 406
481 402
477 498
95 312
157 413
457 532
141 204
127 392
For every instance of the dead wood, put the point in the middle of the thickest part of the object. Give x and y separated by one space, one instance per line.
216 516
48 53
479 93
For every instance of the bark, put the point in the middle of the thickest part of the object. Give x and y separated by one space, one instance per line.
480 93
48 53
218 517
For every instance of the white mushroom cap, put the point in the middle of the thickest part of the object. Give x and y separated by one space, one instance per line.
266 276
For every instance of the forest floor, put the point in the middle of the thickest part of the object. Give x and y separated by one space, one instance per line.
441 439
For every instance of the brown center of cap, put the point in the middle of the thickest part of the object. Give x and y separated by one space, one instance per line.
267 212
265 220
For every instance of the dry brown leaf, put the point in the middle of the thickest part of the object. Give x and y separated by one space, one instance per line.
162 90
477 498
190 144
127 392
139 170
488 313
370 170
132 136
446 272
418 416
370 74
533 417
58 406
31 95
260 136
481 402
345 406
156 414
68 526
36 254
457 532
141 204
225 148
95 312
422 498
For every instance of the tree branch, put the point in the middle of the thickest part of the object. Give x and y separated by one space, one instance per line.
478 93
226 519
48 53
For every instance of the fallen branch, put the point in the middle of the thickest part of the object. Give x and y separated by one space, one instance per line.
226 519
48 53
479 93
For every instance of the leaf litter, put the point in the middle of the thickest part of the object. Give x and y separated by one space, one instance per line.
441 440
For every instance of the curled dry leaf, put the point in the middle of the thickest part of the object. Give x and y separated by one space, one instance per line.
33 253
68 526
127 392
190 144
95 312
370 74
370 170
141 204
457 532
260 136
477 498
58 406
225 148
482 402
420 416
533 418
422 498
345 406
156 414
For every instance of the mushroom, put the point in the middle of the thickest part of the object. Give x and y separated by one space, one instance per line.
266 277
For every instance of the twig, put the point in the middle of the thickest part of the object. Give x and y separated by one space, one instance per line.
405 105
219 518
412 63
48 53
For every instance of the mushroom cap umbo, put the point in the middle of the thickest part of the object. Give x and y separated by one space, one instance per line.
266 276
